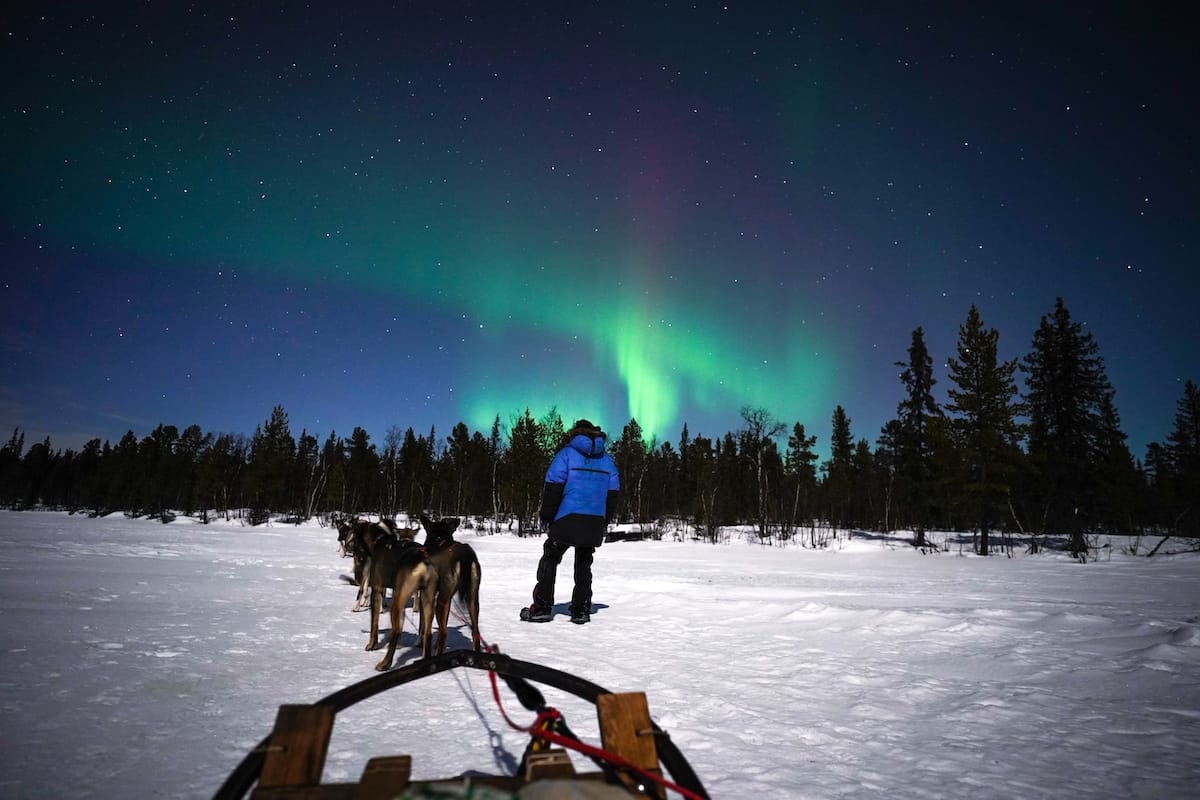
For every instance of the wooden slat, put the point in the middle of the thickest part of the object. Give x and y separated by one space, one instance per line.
625 730
326 791
384 777
299 742
552 763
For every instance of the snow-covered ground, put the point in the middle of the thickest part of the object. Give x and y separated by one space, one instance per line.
145 660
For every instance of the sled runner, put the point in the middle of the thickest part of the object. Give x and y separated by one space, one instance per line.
631 759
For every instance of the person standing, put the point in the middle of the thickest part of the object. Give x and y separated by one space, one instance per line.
578 501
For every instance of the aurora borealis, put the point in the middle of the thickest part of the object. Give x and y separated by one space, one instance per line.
420 214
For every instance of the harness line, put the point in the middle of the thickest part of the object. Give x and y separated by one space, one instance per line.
543 729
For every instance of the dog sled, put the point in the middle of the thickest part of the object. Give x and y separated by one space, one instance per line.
636 758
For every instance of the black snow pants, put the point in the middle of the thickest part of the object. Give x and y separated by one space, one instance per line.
552 555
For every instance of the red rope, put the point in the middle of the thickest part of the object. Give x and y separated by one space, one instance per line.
538 732
499 705
612 758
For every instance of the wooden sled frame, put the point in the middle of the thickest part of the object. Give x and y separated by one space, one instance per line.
288 763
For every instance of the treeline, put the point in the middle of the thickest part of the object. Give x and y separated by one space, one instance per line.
1051 459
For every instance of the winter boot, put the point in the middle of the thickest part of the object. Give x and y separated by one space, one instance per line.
580 616
535 614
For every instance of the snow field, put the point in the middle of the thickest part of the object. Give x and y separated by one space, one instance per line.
145 660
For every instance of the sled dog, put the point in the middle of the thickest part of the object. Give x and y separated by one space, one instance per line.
458 573
403 566
363 539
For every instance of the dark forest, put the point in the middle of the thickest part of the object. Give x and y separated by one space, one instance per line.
1048 458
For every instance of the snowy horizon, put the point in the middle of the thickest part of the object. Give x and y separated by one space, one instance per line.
143 659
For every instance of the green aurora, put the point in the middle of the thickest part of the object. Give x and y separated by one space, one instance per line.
617 289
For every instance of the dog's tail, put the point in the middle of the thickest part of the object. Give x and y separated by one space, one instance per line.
468 583
468 595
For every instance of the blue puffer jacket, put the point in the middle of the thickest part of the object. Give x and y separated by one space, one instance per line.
581 490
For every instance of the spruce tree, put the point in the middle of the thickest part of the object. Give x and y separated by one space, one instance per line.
272 453
362 473
455 464
11 490
308 479
865 490
527 463
735 483
705 485
984 405
914 447
1117 480
192 444
416 473
333 466
629 454
800 468
839 470
1067 391
1183 455
887 455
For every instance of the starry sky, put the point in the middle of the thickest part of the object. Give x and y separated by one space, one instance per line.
415 214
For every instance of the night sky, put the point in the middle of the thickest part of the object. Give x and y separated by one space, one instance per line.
412 216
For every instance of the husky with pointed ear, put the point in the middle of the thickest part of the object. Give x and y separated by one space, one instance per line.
458 573
363 539
403 566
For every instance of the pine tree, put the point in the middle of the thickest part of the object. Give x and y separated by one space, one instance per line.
457 467
527 463
663 496
155 467
705 485
363 473
1117 480
189 450
333 466
685 504
272 452
122 492
629 454
866 486
309 479
800 468
11 490
887 454
985 420
1183 455
465 472
839 470
92 475
733 479
35 467
1067 390
416 472
551 434
914 451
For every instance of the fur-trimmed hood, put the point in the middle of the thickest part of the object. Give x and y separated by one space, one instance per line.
587 438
